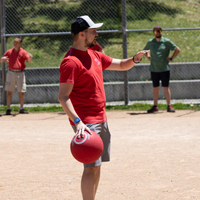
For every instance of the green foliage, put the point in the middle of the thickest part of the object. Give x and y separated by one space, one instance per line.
31 16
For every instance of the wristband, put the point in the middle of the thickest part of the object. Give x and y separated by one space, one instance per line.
134 60
170 59
77 120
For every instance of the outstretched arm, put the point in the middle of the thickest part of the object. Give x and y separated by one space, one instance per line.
126 64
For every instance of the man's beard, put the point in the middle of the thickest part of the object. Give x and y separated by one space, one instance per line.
158 36
89 44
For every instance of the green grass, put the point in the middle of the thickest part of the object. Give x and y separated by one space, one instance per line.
36 109
144 107
134 107
48 51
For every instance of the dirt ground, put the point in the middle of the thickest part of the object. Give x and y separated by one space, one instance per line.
153 157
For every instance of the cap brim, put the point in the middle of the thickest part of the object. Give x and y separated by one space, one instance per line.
98 25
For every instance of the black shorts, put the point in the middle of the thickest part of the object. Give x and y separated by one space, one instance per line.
163 76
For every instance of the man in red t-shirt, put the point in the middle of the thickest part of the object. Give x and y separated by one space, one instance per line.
16 58
82 95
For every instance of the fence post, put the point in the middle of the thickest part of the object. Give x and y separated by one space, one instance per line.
124 35
3 47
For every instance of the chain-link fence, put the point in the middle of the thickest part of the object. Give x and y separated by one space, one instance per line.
44 26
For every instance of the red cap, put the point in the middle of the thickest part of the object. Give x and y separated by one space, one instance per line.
157 28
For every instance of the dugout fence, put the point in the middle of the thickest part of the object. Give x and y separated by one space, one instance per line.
44 26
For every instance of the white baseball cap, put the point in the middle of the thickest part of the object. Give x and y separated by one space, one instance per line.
82 23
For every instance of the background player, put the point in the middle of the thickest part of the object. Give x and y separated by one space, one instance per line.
160 48
16 58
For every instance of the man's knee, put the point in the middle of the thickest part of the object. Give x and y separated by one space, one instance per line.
166 88
92 170
10 93
21 93
156 88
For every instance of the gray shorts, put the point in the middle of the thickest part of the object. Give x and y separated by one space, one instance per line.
103 131
13 79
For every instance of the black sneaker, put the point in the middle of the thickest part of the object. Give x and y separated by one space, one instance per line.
23 111
153 109
8 112
170 109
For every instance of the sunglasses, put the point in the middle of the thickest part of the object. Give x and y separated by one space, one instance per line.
157 31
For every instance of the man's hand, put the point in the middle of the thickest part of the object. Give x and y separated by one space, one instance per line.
30 58
138 57
80 128
168 59
4 59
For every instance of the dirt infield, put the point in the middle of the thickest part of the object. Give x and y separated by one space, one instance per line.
153 157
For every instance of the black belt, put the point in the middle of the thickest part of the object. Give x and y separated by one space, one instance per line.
16 71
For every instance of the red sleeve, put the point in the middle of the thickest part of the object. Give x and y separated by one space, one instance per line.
68 71
6 53
106 60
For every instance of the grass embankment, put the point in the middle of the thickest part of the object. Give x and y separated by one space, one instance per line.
48 51
134 107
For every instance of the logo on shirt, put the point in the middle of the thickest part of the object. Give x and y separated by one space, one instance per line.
97 61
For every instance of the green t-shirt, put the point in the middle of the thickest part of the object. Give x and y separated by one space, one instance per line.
158 52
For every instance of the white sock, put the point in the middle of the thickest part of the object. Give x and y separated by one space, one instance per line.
21 108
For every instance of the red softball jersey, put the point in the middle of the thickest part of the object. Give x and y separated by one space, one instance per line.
16 59
84 69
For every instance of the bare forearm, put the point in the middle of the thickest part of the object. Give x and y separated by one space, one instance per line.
127 64
30 58
68 107
69 110
4 59
176 52
148 56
